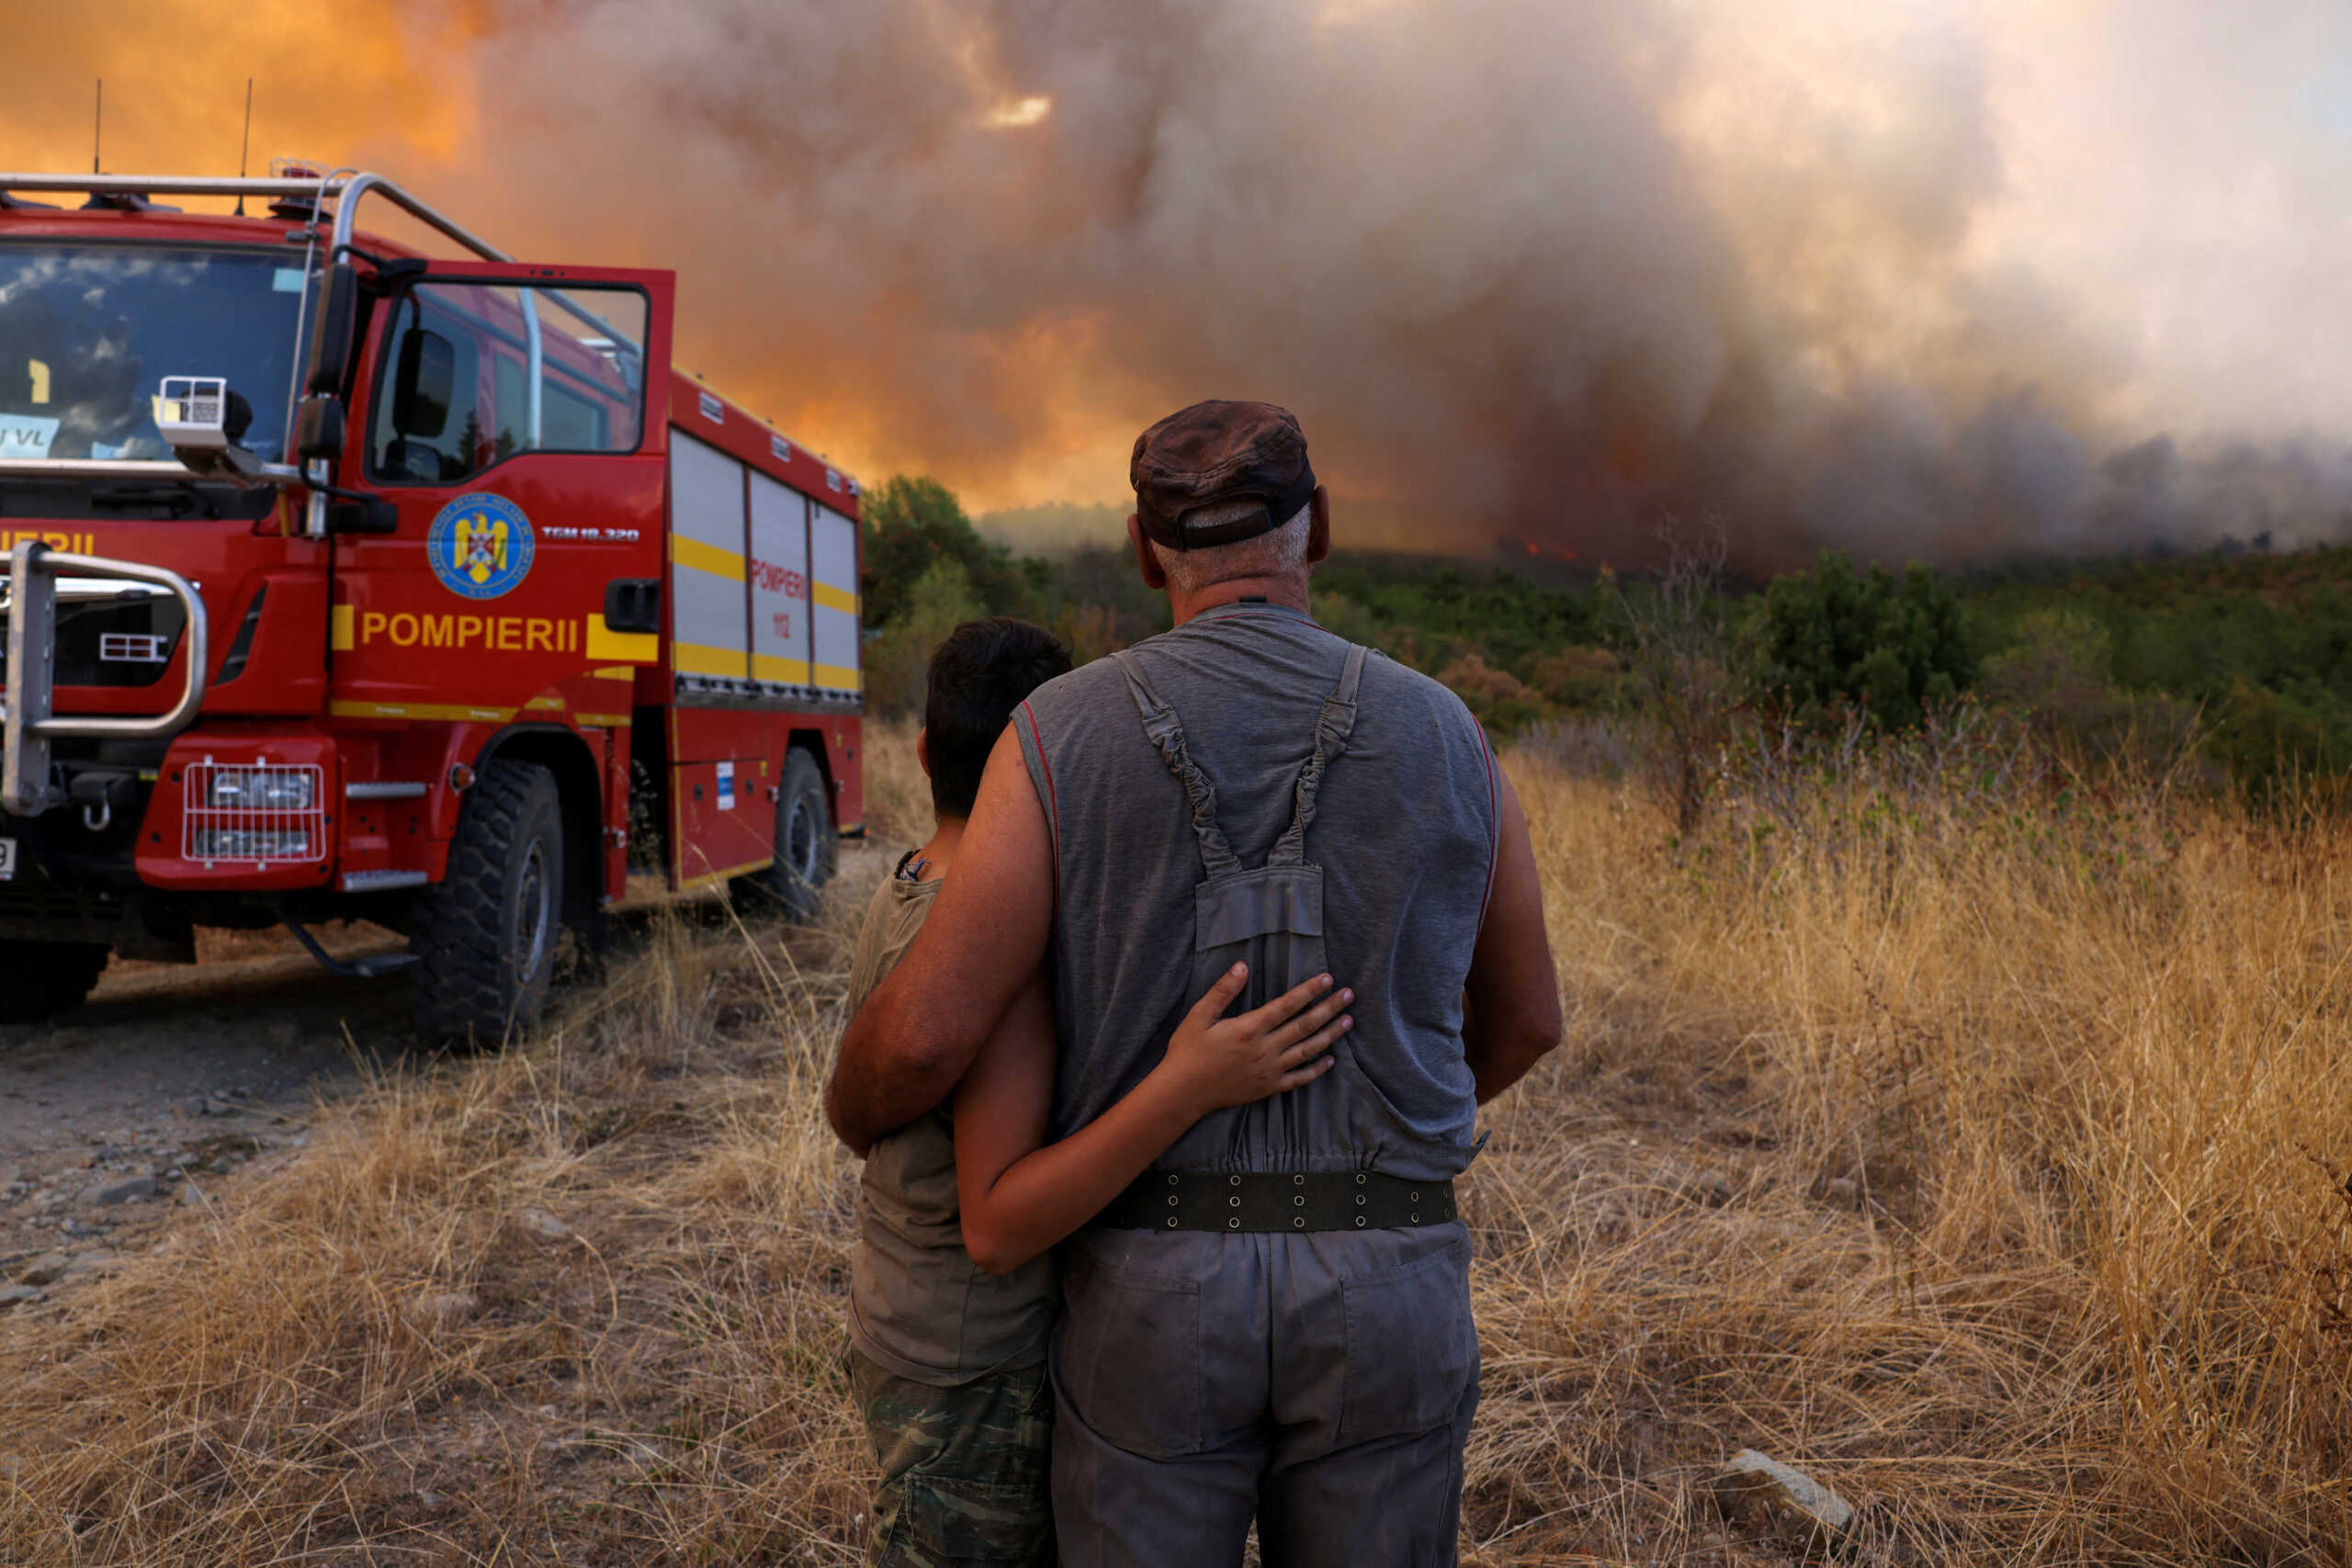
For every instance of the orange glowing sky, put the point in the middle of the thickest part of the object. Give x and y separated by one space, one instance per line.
1784 237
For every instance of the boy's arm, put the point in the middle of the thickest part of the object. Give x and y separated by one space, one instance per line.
985 936
1019 1199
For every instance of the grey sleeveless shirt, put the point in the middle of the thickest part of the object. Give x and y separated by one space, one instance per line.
1403 827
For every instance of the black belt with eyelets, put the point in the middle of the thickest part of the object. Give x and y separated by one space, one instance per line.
1278 1200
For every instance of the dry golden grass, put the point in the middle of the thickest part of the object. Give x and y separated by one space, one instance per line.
1959 1158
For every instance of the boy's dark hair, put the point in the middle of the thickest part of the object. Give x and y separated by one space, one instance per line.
977 677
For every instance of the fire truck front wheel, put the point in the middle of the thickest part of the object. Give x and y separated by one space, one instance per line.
486 934
45 978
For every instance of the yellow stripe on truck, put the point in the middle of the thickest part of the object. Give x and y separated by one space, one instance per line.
688 659
706 558
839 677
450 712
788 671
603 642
826 596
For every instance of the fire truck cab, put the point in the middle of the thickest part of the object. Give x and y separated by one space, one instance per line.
345 583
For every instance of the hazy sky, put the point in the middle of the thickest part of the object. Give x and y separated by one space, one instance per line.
1937 277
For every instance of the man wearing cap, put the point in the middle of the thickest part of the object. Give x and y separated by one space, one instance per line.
1273 1323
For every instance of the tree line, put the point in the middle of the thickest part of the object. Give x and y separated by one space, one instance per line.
2238 660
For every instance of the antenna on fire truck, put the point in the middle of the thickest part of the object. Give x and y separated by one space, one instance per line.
245 146
97 124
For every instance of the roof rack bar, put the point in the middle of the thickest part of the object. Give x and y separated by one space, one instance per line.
348 186
357 185
169 184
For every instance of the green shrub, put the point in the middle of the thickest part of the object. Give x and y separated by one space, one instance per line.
912 524
1832 639
936 603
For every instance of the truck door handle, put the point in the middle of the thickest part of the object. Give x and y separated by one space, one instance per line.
633 604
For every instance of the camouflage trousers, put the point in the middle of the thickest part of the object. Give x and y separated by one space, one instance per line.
965 1470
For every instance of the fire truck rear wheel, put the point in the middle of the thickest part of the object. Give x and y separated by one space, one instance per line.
487 933
45 978
804 839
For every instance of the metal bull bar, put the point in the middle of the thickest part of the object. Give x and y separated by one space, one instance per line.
30 726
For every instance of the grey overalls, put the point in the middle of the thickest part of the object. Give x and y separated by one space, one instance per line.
1311 1366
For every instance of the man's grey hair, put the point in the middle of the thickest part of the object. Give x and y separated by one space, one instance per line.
1276 553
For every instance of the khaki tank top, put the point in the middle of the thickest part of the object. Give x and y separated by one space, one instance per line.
919 1305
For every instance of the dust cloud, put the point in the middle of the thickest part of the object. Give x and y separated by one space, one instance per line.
1525 270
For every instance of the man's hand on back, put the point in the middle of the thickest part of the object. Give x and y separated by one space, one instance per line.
1511 999
986 935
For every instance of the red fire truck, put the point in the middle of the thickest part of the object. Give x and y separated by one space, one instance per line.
348 583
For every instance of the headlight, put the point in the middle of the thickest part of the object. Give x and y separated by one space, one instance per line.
250 843
256 811
260 789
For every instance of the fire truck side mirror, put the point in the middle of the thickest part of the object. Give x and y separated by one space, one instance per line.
331 345
318 426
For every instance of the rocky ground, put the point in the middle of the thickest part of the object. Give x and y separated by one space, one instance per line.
171 1082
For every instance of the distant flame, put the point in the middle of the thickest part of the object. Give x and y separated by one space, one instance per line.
1013 112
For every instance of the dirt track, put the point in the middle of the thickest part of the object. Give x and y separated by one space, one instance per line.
175 1077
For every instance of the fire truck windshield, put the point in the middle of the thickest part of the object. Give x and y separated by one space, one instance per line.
87 332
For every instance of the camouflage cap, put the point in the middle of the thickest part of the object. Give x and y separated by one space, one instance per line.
1217 451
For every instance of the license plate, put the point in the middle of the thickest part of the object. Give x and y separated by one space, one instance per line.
7 859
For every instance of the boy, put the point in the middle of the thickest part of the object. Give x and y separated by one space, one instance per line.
947 1354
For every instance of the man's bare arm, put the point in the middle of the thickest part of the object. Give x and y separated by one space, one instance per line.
985 936
1511 1001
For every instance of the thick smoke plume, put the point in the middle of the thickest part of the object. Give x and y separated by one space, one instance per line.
1525 270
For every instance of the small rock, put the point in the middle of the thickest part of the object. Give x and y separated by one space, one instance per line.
544 1225
441 1308
1763 1494
90 1264
123 1189
18 1295
430 1499
1841 1191
46 1269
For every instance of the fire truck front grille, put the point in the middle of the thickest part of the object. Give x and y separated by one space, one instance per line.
265 813
120 642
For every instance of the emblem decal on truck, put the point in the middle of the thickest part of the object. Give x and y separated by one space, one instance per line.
479 546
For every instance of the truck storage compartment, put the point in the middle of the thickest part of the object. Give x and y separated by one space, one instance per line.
779 577
832 612
709 616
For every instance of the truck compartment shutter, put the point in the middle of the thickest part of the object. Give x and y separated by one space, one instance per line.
832 593
780 597
709 644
